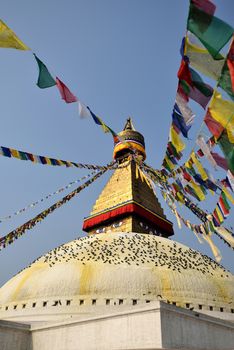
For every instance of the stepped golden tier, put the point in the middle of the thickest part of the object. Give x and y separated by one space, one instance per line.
126 259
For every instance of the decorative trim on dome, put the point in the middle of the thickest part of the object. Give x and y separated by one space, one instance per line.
135 145
128 208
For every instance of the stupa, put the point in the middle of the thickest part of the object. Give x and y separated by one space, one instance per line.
126 285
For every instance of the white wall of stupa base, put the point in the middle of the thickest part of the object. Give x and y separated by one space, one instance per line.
152 327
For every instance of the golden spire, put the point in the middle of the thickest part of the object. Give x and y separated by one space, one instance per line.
128 203
129 141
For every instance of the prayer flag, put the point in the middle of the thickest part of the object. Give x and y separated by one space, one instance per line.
199 166
226 81
210 30
45 80
228 150
184 72
175 139
205 5
205 149
187 113
83 110
8 39
227 236
200 92
220 161
230 179
214 126
197 189
225 202
179 121
200 59
228 195
215 250
223 112
222 208
230 63
216 218
98 121
219 214
65 93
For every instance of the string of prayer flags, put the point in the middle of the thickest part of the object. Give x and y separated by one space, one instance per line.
10 152
15 234
65 93
200 59
210 30
223 112
32 205
98 121
45 79
104 127
8 39
226 80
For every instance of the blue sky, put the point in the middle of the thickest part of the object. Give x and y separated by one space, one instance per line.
120 58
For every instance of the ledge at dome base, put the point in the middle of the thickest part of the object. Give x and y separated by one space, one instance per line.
160 326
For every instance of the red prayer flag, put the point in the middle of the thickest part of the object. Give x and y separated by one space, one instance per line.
205 5
184 73
66 94
186 176
216 216
225 210
181 92
230 63
222 162
215 127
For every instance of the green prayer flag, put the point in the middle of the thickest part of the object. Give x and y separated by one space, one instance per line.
210 30
227 149
227 206
45 80
225 81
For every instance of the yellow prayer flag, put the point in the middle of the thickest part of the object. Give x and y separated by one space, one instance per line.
223 111
197 190
226 235
220 216
15 153
200 59
176 141
199 166
213 247
170 164
228 194
9 39
180 197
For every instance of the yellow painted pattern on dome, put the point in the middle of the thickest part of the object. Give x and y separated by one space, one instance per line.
28 273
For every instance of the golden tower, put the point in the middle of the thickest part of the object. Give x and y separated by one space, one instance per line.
128 203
